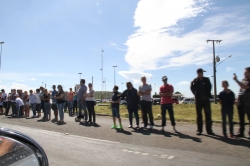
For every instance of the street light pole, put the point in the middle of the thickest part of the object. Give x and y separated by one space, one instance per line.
114 73
214 68
1 53
80 75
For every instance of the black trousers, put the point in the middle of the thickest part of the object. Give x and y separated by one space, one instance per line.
146 107
75 106
205 104
8 108
91 110
242 118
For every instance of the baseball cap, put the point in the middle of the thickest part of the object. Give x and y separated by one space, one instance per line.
164 78
200 70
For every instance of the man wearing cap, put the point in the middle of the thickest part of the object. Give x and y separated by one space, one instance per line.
201 88
166 93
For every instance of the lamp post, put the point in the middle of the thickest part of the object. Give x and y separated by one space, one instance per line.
114 73
1 53
80 75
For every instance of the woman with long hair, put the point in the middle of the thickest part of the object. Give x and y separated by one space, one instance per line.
60 99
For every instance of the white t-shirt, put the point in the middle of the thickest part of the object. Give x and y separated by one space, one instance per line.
90 98
3 96
38 98
19 101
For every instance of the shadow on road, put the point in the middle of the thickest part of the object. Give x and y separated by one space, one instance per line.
184 136
89 124
142 131
236 141
123 131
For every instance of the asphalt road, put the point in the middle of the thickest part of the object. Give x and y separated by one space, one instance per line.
85 144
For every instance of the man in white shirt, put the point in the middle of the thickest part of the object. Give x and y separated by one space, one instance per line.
19 105
32 100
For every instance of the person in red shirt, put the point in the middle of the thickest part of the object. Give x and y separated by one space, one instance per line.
166 93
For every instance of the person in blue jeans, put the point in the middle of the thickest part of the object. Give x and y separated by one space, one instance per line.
227 98
115 104
81 99
60 99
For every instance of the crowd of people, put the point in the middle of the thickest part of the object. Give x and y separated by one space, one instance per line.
43 101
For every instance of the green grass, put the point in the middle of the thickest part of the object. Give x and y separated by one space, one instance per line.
182 112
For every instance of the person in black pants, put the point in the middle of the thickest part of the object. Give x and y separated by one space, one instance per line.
227 99
241 103
201 88
75 104
90 102
133 103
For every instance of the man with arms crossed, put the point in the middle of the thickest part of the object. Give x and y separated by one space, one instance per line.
166 93
201 88
146 102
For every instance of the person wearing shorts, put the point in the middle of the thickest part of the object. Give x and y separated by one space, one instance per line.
115 108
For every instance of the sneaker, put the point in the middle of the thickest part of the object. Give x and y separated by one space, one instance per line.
137 127
174 130
151 127
113 127
232 136
119 127
130 126
33 116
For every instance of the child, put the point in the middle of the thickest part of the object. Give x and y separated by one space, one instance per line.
227 99
115 107
19 105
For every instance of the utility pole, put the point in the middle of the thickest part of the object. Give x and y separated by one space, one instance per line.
214 68
1 53
114 73
102 72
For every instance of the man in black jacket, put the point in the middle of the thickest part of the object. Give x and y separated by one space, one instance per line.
133 102
201 88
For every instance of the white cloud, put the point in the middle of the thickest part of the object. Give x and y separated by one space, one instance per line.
135 76
32 79
10 86
229 69
158 43
184 83
117 47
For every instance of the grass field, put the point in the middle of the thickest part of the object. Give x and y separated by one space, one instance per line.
182 112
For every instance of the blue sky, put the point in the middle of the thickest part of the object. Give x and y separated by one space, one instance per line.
52 41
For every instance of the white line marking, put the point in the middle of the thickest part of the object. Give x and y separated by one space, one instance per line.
130 151
170 157
137 152
145 154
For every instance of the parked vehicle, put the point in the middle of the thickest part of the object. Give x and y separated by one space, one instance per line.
123 102
156 101
175 101
188 101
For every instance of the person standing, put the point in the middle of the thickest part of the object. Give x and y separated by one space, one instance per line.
26 104
4 100
90 101
60 99
81 99
54 104
75 104
70 101
201 88
227 99
146 102
41 102
8 104
166 93
133 103
47 106
1 104
13 101
115 108
38 102
32 100
19 105
243 101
